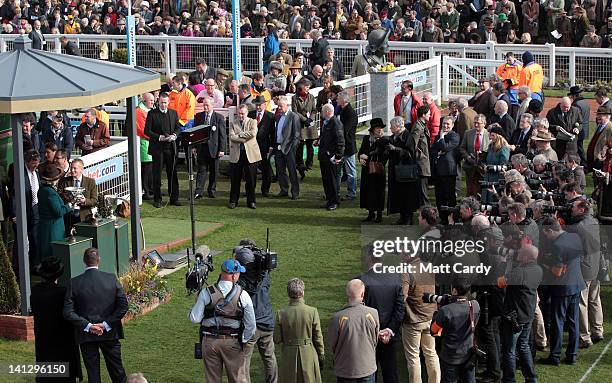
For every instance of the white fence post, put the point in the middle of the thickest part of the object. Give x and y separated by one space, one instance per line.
490 50
2 45
552 76
57 46
261 55
173 64
167 58
445 75
437 85
572 67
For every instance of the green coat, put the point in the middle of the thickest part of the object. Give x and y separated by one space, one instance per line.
301 107
51 211
298 331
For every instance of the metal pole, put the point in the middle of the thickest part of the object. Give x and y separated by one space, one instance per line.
236 55
191 158
20 213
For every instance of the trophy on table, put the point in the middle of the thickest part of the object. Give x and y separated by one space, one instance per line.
110 201
75 194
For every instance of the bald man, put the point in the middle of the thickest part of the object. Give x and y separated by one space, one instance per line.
146 160
353 335
568 117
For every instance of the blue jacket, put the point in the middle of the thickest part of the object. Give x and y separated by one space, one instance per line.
568 251
271 47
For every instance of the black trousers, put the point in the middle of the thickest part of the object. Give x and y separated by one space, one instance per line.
328 174
285 163
240 169
146 176
166 159
490 342
445 191
385 355
111 349
422 190
32 232
207 167
309 153
266 172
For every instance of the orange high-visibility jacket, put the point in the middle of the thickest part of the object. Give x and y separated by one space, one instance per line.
532 75
511 72
183 103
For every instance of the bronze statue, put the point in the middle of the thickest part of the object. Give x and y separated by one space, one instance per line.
378 47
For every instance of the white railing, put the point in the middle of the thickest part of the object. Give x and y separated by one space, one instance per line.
563 66
461 75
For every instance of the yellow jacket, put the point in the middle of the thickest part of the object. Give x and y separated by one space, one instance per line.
183 103
532 75
265 94
511 72
73 29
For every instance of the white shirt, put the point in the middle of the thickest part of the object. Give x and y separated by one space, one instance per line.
196 315
33 185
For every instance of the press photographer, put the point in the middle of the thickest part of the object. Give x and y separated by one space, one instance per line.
227 321
455 324
256 282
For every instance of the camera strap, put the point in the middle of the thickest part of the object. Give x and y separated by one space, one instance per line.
472 323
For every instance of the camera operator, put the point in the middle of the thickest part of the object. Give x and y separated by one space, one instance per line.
591 314
227 321
520 303
572 162
491 300
521 164
517 214
564 290
455 324
257 285
572 193
468 207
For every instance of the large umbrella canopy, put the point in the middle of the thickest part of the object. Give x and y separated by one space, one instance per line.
36 80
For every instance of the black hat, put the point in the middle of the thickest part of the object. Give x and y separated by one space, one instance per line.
535 106
50 268
50 172
575 90
259 100
497 129
376 123
603 110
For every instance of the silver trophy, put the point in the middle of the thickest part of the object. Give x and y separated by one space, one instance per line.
75 193
111 200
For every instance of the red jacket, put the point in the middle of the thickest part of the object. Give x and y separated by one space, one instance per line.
433 125
416 103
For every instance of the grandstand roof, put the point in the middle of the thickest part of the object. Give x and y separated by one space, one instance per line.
36 80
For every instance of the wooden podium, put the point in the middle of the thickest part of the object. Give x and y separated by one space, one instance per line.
103 238
71 255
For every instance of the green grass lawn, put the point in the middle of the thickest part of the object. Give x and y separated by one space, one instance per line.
318 246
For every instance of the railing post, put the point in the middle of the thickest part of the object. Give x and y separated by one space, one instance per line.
432 52
552 76
173 68
57 46
572 67
490 50
445 75
261 55
167 54
2 45
437 84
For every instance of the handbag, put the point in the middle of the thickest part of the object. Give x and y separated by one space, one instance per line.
376 168
407 173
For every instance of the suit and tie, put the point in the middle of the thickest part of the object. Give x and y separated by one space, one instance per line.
287 134
208 152
520 139
265 139
160 125
471 149
444 154
97 297
38 40
79 213
331 147
506 122
244 155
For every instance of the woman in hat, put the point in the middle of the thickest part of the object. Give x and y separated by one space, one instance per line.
295 75
54 339
498 154
275 80
51 209
604 190
372 185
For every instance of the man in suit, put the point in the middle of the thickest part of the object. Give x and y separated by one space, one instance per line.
31 137
406 103
70 47
337 69
209 152
575 94
331 150
474 143
265 137
500 93
204 71
84 203
444 153
319 45
94 304
32 184
244 155
524 96
568 117
349 119
568 283
601 135
383 292
163 127
418 143
502 118
286 140
484 101
519 139
295 18
464 122
37 37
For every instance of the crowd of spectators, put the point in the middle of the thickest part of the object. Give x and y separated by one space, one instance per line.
585 23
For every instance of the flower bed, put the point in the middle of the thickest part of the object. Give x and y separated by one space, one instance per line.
144 289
